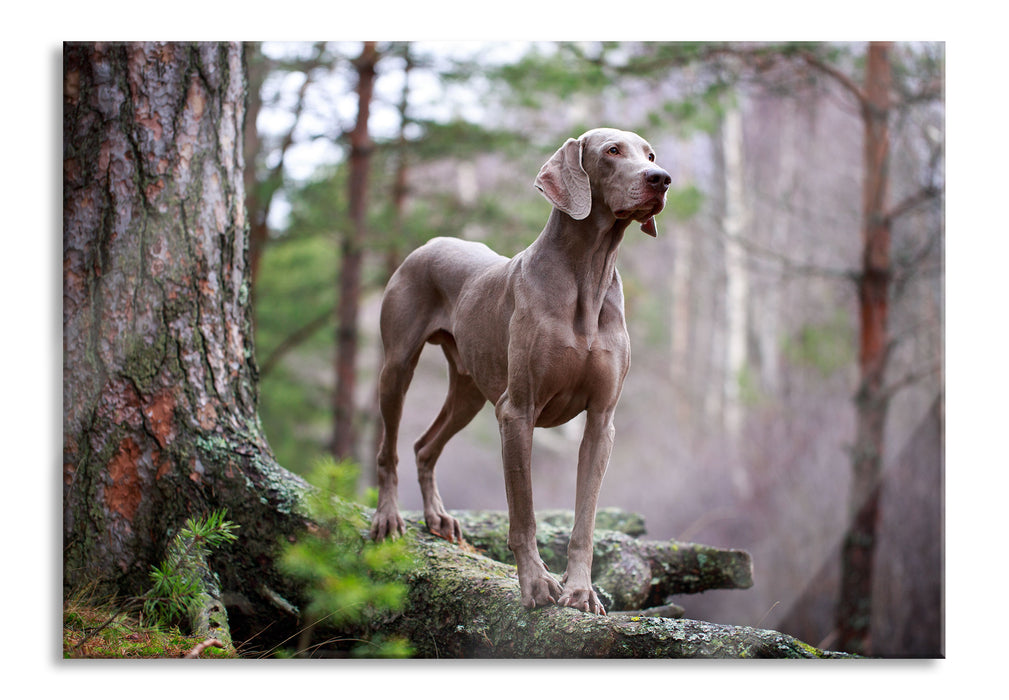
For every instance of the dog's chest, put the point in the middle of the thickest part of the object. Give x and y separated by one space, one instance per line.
575 371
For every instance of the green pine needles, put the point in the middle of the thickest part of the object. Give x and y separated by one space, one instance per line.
179 583
349 579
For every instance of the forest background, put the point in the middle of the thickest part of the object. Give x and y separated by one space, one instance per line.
978 54
738 424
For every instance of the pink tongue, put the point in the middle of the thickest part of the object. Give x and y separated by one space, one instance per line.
648 226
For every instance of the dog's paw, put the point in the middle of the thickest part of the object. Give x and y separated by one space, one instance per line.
584 599
387 524
445 526
539 591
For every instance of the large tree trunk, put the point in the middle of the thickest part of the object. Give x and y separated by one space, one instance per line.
859 547
160 397
352 254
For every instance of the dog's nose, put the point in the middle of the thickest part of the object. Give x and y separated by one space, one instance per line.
658 179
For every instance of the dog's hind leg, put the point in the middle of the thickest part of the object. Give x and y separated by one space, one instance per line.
393 383
462 403
403 335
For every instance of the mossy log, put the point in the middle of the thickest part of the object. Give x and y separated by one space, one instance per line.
463 604
208 617
633 573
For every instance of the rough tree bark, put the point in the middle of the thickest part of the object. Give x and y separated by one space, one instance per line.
463 604
160 396
633 573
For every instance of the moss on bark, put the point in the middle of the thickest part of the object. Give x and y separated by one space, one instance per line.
633 573
463 604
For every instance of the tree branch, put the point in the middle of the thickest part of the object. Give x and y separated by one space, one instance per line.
195 652
276 174
933 90
787 263
853 88
911 377
911 202
295 339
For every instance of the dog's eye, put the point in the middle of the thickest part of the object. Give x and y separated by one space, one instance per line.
613 150
651 157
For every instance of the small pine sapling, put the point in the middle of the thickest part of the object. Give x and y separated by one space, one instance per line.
348 578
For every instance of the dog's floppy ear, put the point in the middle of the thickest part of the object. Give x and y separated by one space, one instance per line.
564 182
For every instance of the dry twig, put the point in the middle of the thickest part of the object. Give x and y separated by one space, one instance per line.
195 652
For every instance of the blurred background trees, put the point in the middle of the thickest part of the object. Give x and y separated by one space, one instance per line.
786 394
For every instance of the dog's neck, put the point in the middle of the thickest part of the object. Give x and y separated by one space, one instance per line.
588 249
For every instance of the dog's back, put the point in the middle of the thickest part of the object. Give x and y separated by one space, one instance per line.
425 288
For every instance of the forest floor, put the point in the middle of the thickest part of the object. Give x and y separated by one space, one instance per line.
95 631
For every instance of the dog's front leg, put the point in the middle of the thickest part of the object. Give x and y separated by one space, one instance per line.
593 457
538 587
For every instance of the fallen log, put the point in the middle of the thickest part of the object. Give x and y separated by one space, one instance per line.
207 615
632 573
463 604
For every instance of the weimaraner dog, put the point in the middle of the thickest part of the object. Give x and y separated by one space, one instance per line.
541 336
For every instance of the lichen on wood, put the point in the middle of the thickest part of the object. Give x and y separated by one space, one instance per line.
208 616
633 573
464 604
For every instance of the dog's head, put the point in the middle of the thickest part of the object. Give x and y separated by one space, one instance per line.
610 168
